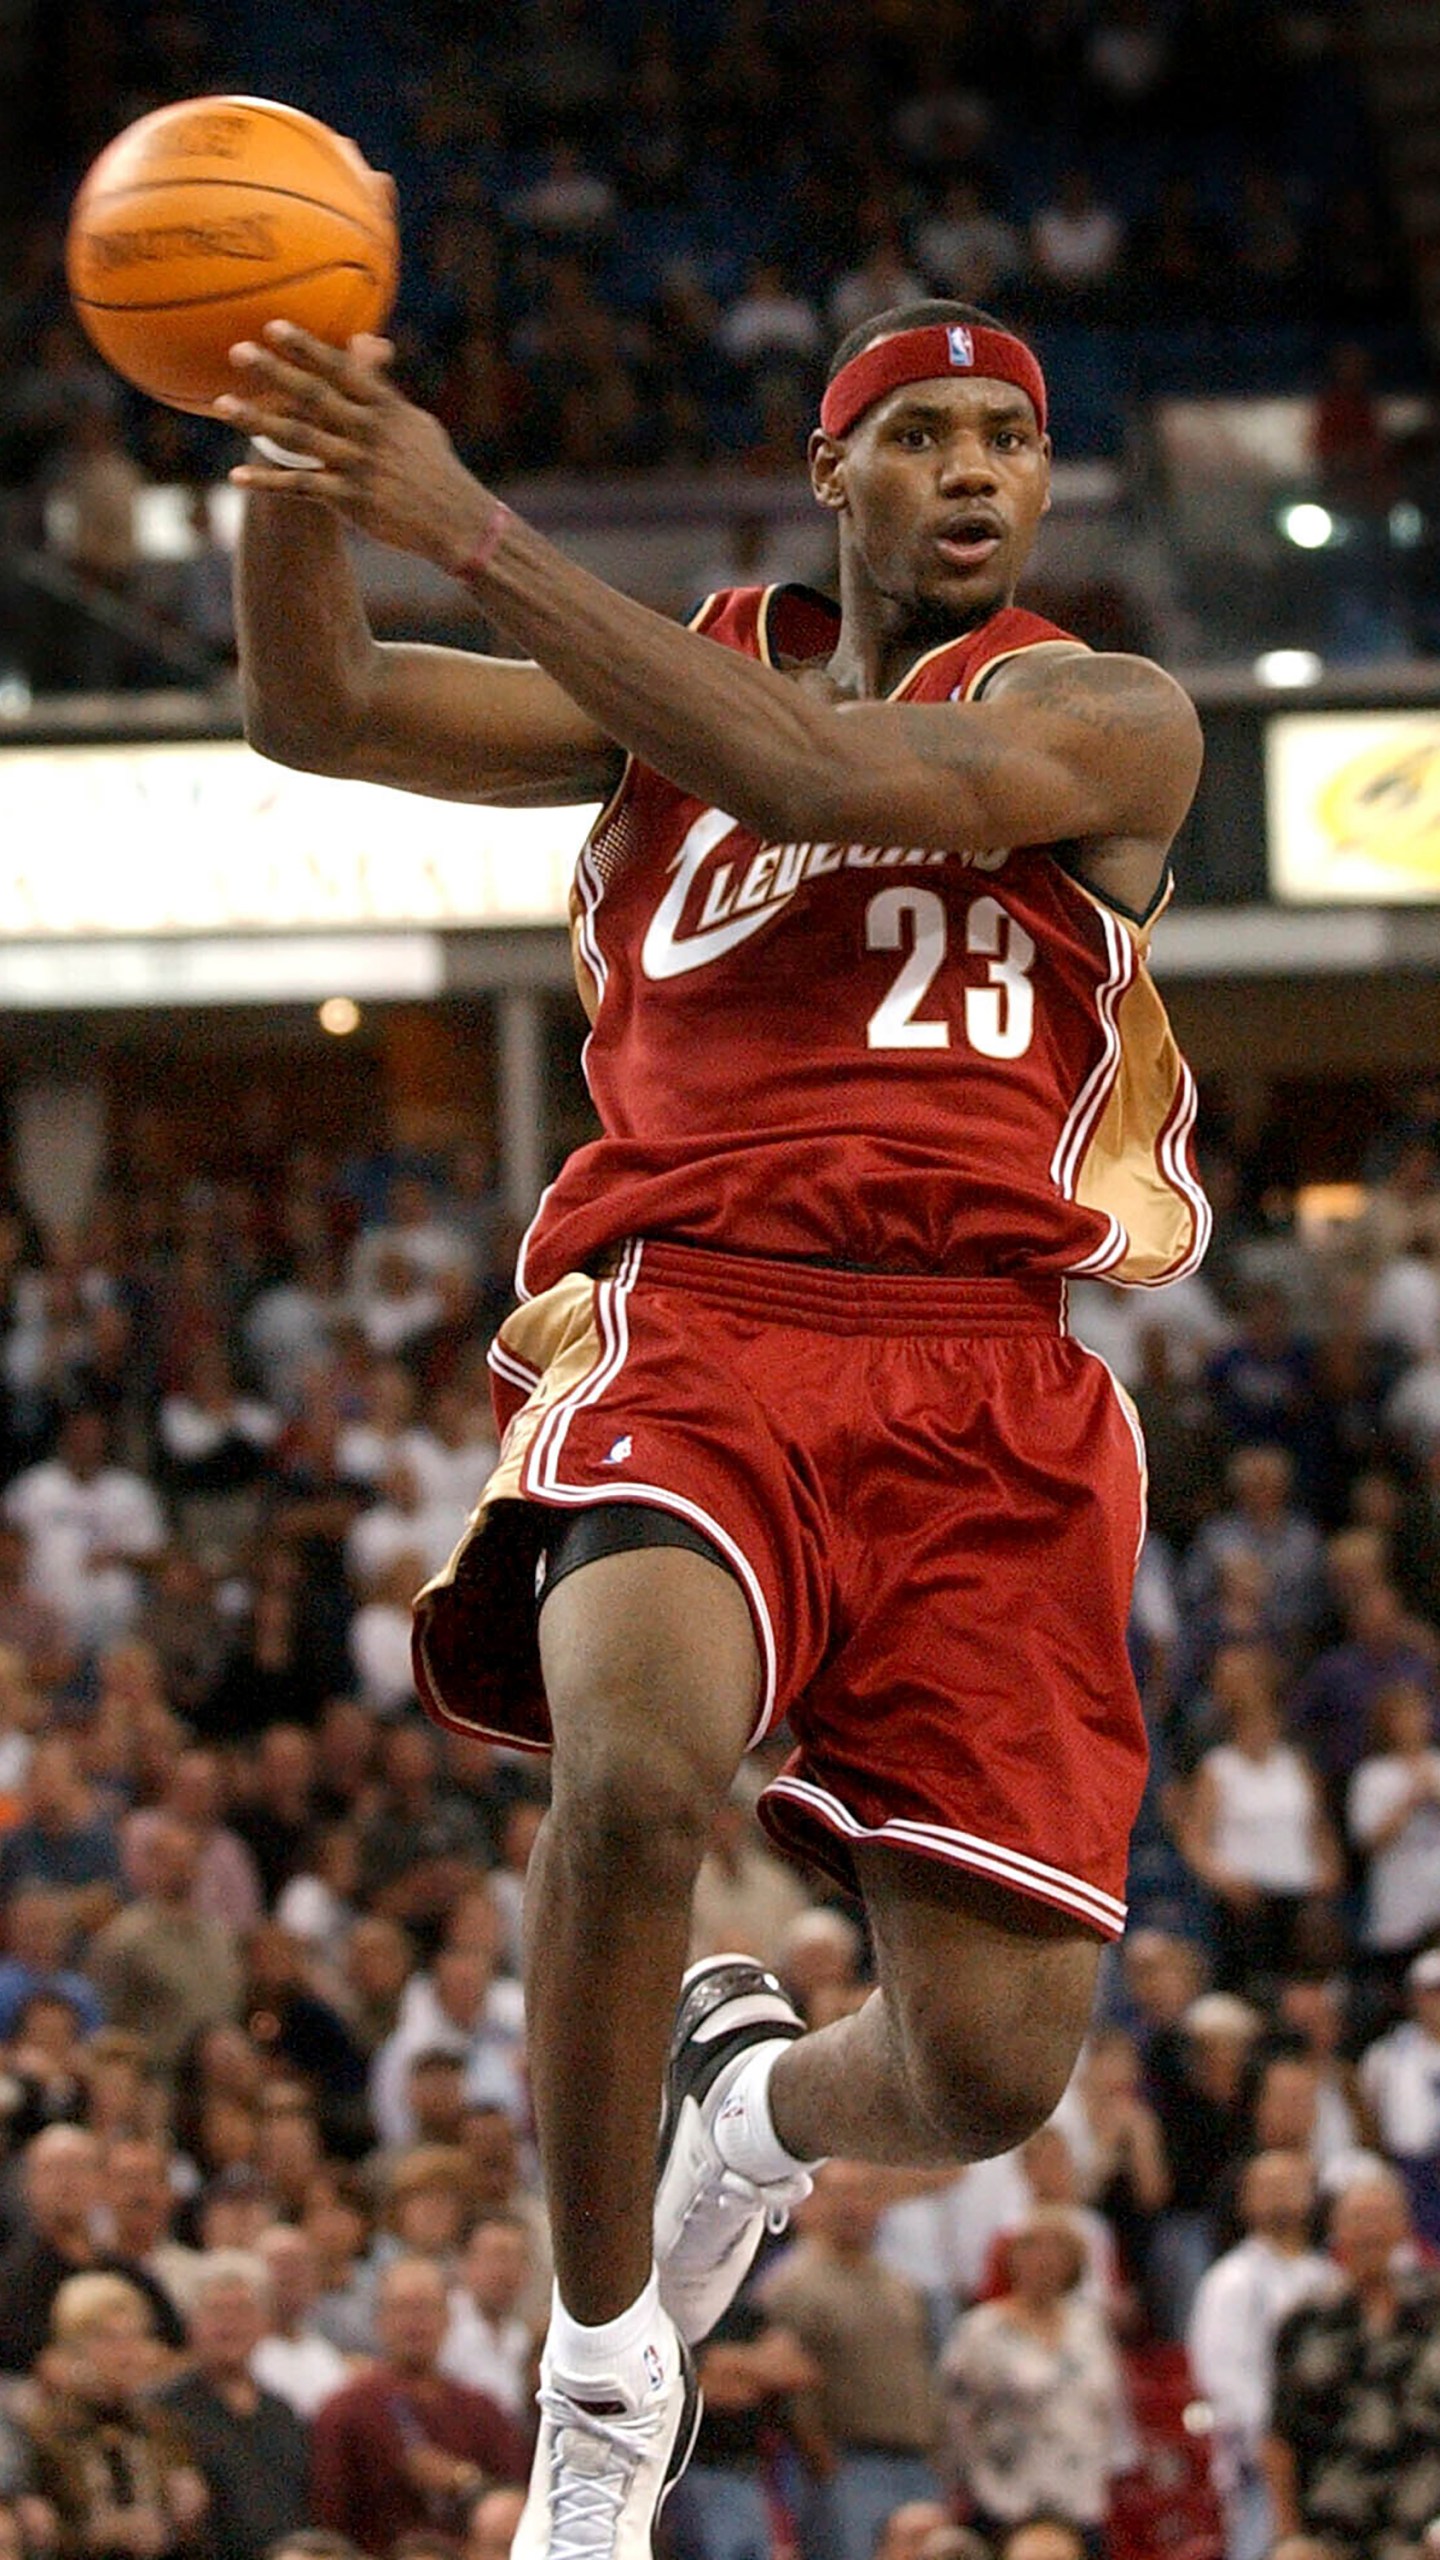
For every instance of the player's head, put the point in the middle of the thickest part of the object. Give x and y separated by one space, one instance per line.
932 450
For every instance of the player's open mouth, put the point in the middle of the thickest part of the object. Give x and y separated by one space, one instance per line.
968 545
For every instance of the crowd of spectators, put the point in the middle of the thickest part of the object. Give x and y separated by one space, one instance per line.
272 2252
631 234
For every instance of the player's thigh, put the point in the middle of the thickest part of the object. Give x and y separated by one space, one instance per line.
652 1673
979 1979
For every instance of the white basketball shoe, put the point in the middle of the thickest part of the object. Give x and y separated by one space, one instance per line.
708 2219
604 2465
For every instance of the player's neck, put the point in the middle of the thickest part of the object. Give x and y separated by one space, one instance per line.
882 638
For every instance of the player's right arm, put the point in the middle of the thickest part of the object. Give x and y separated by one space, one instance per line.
321 692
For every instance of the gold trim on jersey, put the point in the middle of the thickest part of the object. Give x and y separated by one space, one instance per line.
1131 1165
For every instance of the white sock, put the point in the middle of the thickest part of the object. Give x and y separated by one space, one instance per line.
743 2129
626 2354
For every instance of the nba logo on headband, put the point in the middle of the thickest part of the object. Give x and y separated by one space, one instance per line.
962 346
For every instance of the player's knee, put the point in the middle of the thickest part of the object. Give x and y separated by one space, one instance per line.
983 2094
632 1815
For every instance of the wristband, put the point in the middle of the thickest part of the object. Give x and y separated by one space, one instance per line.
280 454
477 560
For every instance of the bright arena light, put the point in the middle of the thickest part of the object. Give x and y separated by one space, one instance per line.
1289 667
1307 525
339 1014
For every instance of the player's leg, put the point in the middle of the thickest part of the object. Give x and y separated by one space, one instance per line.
963 2050
652 1676
968 2043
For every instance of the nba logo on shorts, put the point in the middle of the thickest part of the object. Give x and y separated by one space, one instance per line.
962 346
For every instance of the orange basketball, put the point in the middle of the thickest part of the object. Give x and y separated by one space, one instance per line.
208 218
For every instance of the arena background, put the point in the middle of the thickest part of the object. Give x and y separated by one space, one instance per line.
286 1063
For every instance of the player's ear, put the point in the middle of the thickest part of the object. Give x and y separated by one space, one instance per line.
827 470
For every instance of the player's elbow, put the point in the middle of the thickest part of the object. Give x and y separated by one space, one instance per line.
284 736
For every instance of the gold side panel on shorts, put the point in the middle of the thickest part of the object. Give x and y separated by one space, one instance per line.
1121 1170
557 1335
458 1614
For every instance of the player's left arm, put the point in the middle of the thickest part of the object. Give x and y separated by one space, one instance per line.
1065 746
1079 747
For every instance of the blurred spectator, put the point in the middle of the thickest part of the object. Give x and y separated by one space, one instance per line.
487 2343
428 2204
745 1897
865 2329
403 2446
964 247
1239 2305
422 1841
89 1523
319 1906
60 2188
819 1964
1351 2453
227 1884
1113 2137
294 2359
1033 2388
1393 1807
292 2027
62 1842
248 2446
30 1625
1077 242
1263 1522
1333 1712
114 2467
768 324
38 1928
1400 2077
139 2197
1196 2076
379 1961
568 202
276 1814
336 2222
1261 1383
883 281
750 2368
1254 1828
161 1966
1161 1976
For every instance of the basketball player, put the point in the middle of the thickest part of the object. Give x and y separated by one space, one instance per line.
794 1427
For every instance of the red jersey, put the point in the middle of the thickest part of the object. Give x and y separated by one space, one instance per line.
906 1058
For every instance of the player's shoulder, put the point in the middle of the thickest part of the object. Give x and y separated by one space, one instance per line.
1099 684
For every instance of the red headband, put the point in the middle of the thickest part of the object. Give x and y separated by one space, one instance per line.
923 355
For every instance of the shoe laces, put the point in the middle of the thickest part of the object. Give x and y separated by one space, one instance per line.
734 2200
590 2480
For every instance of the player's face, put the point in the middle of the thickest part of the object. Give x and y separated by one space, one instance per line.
942 485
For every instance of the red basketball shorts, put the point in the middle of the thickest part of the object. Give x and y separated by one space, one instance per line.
932 1497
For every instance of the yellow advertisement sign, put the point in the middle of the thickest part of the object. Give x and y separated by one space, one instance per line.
1353 807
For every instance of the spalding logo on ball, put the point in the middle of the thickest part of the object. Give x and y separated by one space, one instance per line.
206 219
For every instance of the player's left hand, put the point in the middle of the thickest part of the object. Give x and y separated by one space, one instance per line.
386 466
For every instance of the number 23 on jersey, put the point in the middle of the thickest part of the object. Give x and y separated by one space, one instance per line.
999 1014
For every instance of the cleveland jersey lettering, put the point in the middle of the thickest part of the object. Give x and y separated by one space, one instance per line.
911 1058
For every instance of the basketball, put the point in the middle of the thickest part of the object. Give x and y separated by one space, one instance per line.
202 221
